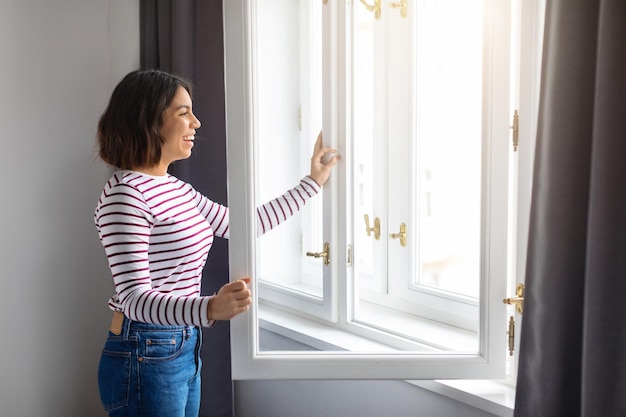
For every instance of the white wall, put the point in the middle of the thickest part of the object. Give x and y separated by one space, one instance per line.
58 63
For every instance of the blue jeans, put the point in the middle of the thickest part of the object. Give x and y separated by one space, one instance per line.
151 371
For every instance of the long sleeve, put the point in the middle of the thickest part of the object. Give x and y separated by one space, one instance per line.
156 245
157 233
268 215
276 211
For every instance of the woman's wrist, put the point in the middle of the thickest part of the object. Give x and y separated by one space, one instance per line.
316 181
209 310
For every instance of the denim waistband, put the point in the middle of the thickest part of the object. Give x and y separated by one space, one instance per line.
130 326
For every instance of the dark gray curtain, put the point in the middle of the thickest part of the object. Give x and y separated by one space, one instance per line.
186 37
573 341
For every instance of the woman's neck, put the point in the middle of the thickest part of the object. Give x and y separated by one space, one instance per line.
156 170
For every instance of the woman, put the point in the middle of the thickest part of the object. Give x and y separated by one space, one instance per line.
157 231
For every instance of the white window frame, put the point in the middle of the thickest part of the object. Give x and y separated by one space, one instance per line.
248 362
286 130
404 295
393 307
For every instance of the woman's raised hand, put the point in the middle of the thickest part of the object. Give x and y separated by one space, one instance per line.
320 170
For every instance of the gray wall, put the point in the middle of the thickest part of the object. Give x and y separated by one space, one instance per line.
59 61
344 399
320 398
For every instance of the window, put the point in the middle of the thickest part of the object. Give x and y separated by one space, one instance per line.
419 141
420 107
288 100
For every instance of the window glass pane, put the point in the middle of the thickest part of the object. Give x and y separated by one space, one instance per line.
363 147
418 120
448 144
287 123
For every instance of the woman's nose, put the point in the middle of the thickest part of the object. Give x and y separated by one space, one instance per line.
196 122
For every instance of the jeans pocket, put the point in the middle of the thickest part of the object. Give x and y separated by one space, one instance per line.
161 345
114 372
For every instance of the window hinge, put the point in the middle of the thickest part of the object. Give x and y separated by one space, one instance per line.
515 128
511 335
349 260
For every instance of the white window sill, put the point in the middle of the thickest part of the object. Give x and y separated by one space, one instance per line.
315 334
494 397
361 336
440 336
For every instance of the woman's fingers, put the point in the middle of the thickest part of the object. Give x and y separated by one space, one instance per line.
318 143
319 151
321 164
232 299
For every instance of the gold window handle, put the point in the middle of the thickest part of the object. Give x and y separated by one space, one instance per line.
401 235
324 254
401 6
375 229
518 300
373 7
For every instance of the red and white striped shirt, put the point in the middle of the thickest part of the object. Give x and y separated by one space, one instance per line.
157 233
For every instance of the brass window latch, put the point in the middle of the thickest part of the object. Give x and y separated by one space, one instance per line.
402 6
375 229
325 254
518 300
375 8
401 235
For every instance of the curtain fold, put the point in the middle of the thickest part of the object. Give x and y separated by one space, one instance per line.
572 348
185 37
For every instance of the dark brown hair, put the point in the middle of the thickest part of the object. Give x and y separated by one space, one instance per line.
128 130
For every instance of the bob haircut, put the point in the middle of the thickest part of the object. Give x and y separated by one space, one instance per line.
128 131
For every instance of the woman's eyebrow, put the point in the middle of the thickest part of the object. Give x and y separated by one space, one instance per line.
182 106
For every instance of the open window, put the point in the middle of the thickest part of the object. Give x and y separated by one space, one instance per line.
415 222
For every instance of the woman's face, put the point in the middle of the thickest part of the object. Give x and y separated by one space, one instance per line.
178 129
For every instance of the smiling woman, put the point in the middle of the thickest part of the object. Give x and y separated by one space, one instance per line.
178 131
129 130
154 133
157 231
